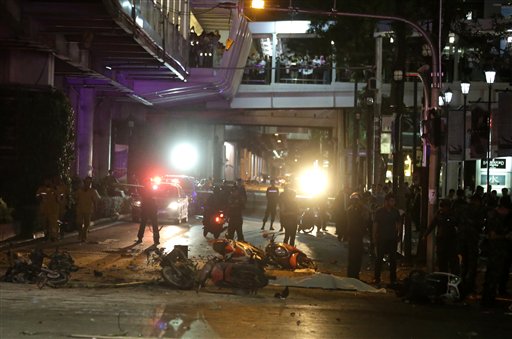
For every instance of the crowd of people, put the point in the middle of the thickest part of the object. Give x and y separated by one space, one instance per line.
206 50
469 230
289 68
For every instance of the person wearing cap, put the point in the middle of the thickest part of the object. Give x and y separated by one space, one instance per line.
272 195
357 219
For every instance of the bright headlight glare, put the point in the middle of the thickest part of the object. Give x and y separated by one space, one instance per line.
313 182
173 205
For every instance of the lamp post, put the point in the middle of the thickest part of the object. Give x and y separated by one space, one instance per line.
489 78
444 100
464 88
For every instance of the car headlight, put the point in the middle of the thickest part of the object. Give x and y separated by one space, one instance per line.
173 205
136 203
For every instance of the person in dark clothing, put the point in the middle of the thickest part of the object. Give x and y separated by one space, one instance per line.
356 229
272 195
446 238
386 229
469 237
214 203
288 210
339 215
498 231
149 212
234 211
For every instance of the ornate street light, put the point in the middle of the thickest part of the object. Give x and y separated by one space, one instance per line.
489 78
464 88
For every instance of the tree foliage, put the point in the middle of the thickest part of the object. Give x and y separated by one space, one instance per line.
38 126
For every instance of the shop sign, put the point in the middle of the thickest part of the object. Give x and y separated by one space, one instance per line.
495 163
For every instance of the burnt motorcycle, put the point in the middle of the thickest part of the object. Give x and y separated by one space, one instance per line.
177 269
244 275
308 220
286 256
32 270
233 249
214 224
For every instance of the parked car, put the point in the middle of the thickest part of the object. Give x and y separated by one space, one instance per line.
171 200
189 185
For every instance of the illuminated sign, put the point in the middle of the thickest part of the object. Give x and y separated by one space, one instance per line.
495 163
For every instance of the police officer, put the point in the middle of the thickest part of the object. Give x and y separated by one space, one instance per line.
272 195
288 211
236 203
149 212
357 220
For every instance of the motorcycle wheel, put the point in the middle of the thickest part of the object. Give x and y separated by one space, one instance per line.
307 228
216 235
304 262
182 278
52 279
205 232
250 277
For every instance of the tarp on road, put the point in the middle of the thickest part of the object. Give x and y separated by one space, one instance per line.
326 281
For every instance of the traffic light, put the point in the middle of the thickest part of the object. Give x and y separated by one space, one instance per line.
434 127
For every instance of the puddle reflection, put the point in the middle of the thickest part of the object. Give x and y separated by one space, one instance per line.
174 322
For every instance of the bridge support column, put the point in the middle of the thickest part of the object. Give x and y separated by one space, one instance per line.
83 102
218 152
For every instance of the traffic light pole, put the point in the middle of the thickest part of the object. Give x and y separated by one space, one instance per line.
429 150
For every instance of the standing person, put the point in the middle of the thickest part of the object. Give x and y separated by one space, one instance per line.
288 213
357 218
339 213
386 229
86 199
272 195
111 182
234 211
149 212
469 237
499 227
49 209
445 224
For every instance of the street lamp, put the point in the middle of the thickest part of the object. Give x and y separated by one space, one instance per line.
444 100
489 78
464 88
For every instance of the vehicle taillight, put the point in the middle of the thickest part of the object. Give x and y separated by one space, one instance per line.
217 219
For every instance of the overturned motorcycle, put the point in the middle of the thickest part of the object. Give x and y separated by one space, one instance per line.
177 269
286 256
33 270
233 249
243 275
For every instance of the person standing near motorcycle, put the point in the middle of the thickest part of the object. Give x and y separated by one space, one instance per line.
149 212
357 219
288 213
86 199
446 238
236 203
272 195
49 209
386 230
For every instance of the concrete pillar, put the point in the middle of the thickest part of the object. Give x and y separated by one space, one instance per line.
83 102
218 152
27 67
101 160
